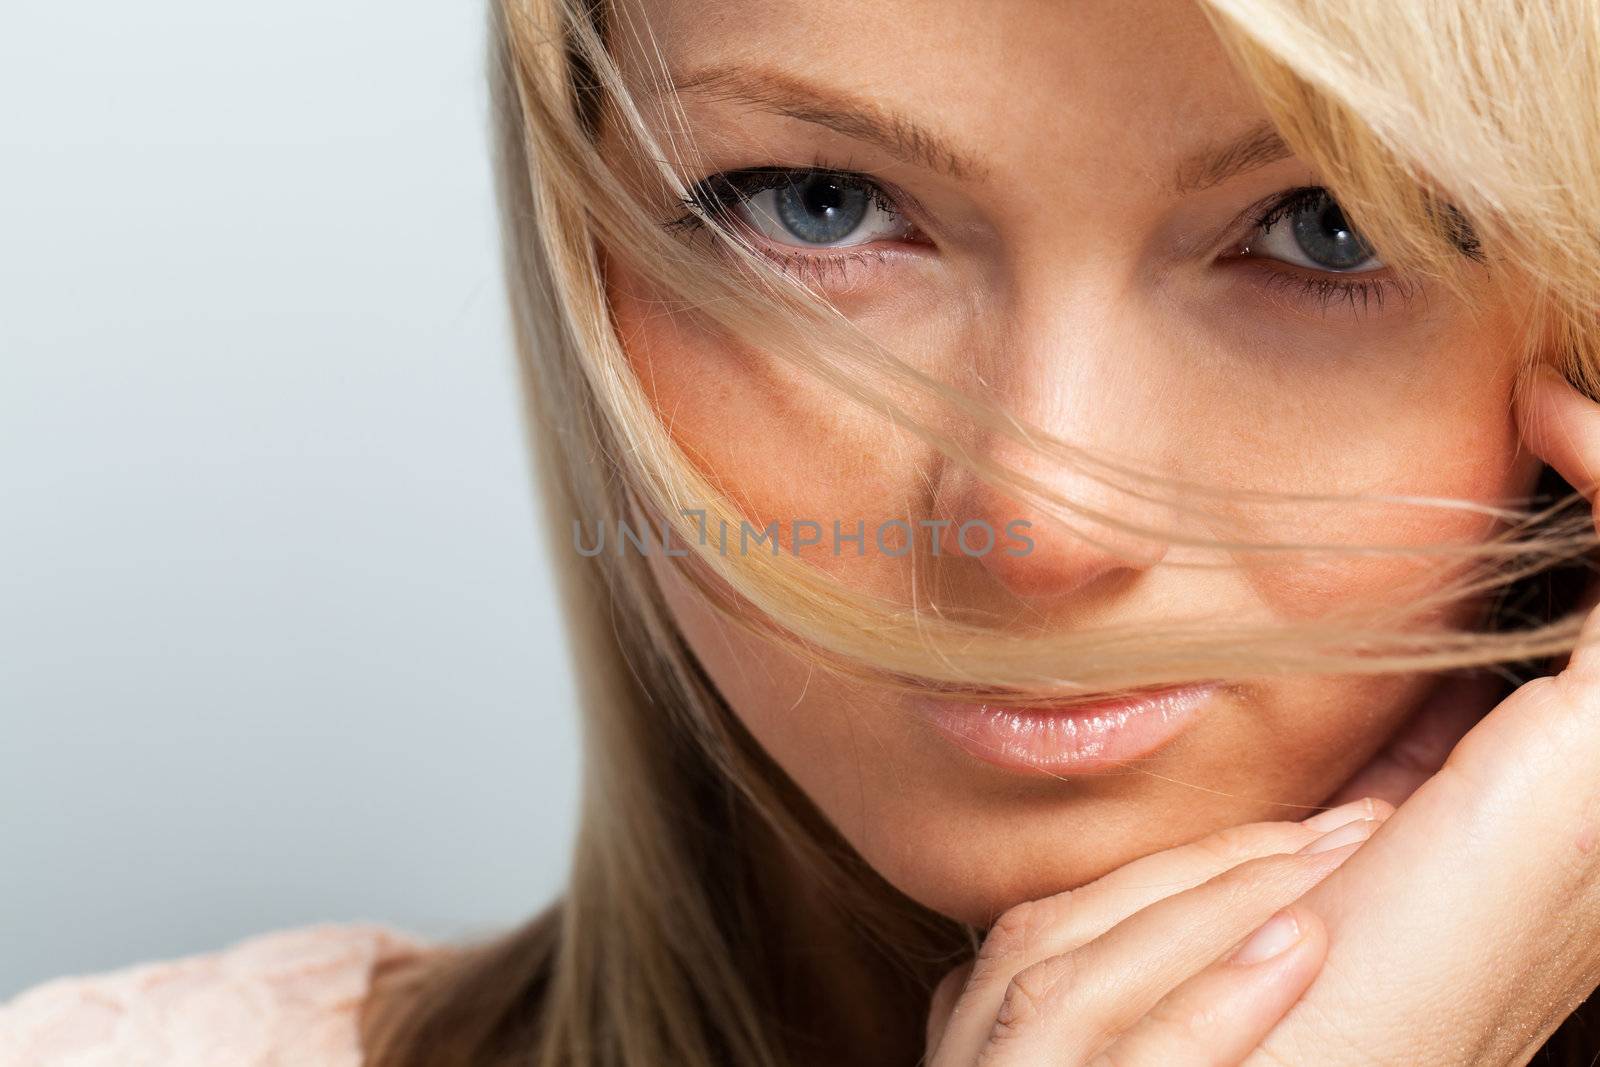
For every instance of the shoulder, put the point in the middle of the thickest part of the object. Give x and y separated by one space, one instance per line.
286 997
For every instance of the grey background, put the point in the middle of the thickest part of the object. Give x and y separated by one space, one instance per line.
277 640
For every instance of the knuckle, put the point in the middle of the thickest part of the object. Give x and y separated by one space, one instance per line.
1183 1026
1019 927
1027 995
1187 1022
1234 845
1266 1057
1231 845
1252 878
1110 1057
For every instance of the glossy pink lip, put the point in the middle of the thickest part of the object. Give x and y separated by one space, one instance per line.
1082 739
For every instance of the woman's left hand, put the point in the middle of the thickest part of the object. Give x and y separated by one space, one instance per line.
1468 927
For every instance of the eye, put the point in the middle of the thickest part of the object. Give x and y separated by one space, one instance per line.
1308 229
808 208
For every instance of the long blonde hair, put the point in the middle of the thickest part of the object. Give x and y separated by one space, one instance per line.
1429 121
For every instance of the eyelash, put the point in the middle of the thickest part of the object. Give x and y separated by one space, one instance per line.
715 196
1353 289
713 199
1328 289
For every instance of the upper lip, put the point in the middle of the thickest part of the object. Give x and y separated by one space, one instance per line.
1070 700
1122 696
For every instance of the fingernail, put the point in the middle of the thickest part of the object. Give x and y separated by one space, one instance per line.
1348 834
1334 818
1274 937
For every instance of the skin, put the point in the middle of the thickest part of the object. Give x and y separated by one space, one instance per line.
1060 269
1090 295
1456 930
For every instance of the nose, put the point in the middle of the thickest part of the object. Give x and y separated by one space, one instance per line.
1041 551
1077 371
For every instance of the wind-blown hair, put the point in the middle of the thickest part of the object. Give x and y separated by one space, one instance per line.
1439 127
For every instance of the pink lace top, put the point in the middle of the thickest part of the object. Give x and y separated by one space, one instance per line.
289 998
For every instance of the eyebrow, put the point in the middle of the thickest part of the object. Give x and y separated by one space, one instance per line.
863 120
778 93
1257 147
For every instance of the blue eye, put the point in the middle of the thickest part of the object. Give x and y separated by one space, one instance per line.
805 208
1308 228
817 208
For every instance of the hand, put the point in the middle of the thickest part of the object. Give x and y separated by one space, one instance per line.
1143 967
1468 928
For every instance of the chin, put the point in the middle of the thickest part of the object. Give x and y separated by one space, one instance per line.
972 864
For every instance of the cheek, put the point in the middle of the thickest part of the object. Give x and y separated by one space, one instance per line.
703 389
1443 431
785 446
796 717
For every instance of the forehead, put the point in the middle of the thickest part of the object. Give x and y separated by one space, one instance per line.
996 76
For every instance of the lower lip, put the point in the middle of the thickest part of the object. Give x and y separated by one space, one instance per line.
1083 739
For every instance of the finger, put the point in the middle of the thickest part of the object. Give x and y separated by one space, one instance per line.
1558 423
942 1005
1063 1009
1488 874
1416 753
1039 929
1562 426
1216 1018
1471 913
1490 888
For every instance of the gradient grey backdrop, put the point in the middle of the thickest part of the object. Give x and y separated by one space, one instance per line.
277 639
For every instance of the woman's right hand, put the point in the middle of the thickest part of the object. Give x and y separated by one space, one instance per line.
1184 958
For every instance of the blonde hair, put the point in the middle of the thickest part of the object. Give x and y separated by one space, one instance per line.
1429 121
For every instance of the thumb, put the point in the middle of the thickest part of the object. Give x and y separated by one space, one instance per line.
943 1005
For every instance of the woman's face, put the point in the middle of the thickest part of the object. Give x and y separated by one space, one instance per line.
1060 207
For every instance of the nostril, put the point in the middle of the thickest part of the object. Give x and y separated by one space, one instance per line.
1035 551
1052 557
1064 562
